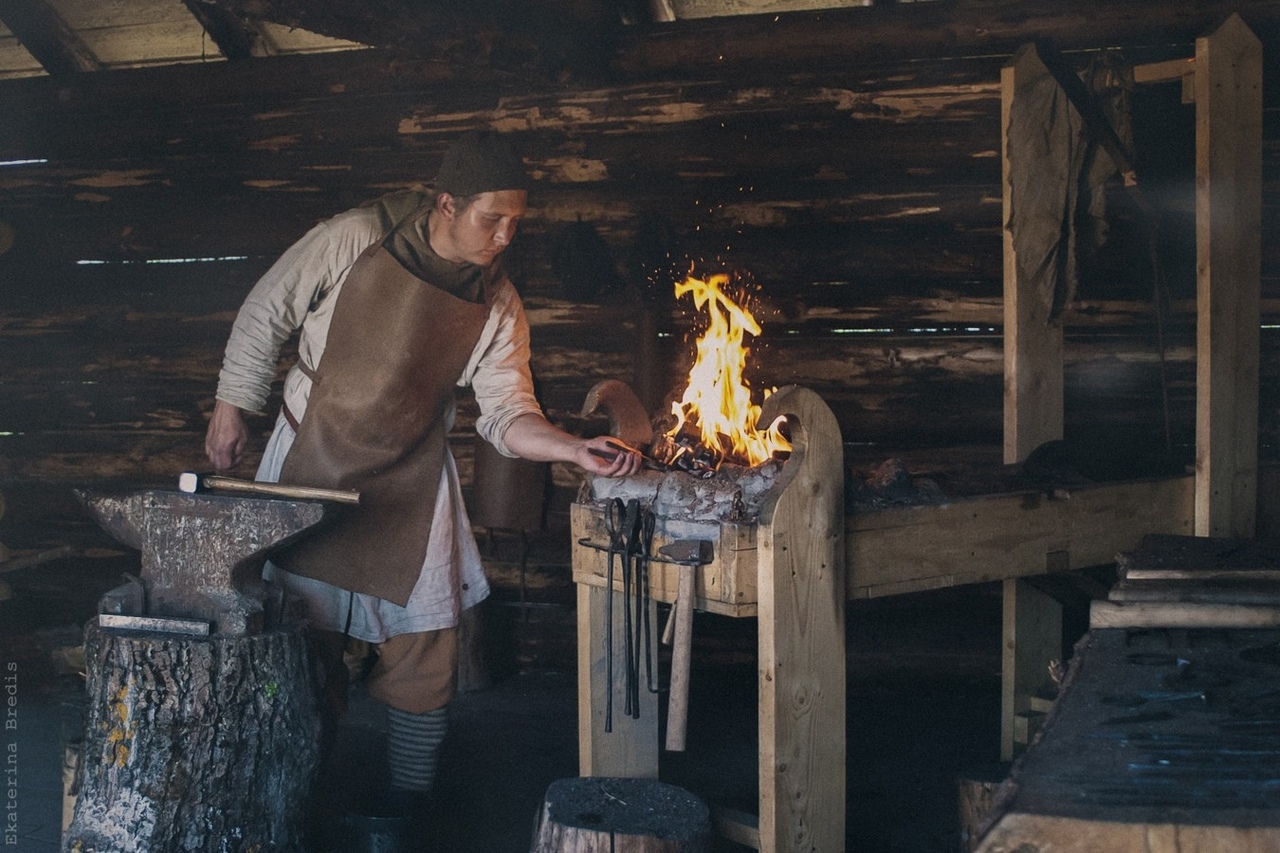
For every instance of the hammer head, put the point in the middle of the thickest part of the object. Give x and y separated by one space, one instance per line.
190 482
202 555
689 552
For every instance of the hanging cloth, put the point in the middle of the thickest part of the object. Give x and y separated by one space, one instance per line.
1056 170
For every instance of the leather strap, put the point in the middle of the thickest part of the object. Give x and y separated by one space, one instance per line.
289 417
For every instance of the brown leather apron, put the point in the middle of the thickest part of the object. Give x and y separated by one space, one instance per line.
375 422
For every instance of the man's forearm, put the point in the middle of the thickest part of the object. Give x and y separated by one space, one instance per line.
533 437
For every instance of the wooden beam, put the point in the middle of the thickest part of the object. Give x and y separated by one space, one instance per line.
545 39
1228 89
588 40
1009 535
47 37
1164 72
233 38
912 31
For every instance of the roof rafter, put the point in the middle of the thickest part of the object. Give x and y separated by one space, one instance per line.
229 32
47 37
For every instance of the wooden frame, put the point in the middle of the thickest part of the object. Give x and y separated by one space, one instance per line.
1225 82
997 537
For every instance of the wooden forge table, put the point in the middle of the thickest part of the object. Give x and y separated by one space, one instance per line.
785 567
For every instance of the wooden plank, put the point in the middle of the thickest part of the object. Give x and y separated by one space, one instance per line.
801 637
1228 88
1164 614
736 826
1258 575
726 585
1033 399
1045 832
1198 592
630 748
1011 535
1164 72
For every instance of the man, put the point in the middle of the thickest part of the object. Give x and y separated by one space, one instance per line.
397 303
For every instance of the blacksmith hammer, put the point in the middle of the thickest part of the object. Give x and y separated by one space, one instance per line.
688 554
193 483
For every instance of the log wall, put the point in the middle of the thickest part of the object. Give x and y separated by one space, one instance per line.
861 198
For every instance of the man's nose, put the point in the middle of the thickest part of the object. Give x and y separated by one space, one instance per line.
502 236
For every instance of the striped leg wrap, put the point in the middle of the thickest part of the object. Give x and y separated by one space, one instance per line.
413 747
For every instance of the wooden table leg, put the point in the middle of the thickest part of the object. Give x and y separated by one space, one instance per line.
631 749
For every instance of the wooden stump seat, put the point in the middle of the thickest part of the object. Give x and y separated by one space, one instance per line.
593 813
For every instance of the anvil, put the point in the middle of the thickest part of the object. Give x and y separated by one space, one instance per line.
202 555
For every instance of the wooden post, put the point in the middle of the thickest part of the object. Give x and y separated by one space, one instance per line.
801 635
194 744
1228 90
1032 637
1032 341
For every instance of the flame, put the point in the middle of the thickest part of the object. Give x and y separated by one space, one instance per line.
717 399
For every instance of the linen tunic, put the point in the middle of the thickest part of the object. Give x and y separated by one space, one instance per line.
299 291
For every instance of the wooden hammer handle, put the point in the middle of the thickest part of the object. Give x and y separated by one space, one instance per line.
681 652
279 490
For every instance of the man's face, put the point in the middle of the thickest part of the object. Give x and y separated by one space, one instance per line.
480 232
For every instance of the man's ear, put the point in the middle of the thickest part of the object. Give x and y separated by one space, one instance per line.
445 205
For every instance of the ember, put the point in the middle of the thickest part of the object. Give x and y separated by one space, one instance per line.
716 422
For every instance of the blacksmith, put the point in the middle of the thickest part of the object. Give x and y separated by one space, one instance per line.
397 303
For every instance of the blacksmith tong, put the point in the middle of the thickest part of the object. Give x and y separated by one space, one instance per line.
630 529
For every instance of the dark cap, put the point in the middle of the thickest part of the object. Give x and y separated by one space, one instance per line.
480 161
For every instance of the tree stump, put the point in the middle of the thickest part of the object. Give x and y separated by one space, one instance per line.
608 815
196 744
975 794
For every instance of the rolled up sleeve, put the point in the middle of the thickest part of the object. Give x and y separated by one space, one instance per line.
500 376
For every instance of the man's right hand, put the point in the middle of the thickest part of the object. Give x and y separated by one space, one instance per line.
227 436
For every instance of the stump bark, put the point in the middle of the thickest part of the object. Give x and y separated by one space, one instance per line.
196 744
975 795
608 815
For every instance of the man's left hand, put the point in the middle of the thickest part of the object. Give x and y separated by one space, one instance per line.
606 456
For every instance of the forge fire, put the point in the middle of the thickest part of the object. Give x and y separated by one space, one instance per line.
715 418
711 458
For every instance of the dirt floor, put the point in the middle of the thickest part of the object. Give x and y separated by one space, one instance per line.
923 699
